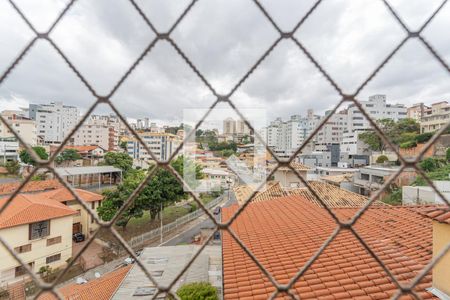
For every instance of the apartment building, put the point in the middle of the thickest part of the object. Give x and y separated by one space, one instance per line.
229 126
284 137
23 125
377 108
54 120
101 130
162 145
417 111
435 117
40 232
332 131
9 149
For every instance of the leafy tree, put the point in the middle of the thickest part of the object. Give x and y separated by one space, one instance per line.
408 144
119 160
26 158
163 188
428 164
124 145
227 152
197 291
12 166
372 140
447 154
381 159
68 155
424 137
407 125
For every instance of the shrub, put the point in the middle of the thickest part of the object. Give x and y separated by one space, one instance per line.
198 291
12 166
409 144
428 164
381 159
424 137
447 154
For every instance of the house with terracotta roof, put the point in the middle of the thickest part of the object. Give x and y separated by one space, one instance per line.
39 230
288 178
86 151
285 233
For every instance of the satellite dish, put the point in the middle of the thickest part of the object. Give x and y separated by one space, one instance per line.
97 275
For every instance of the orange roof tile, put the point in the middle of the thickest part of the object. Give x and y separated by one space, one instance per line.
295 165
102 288
30 208
437 213
81 148
31 186
272 189
63 194
285 232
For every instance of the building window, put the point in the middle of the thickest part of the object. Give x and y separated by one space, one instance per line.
53 241
23 248
53 258
39 230
20 270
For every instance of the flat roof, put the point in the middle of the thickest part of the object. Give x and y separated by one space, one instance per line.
86 170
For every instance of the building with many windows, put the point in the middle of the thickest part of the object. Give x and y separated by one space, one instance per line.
54 121
23 125
435 117
162 146
101 130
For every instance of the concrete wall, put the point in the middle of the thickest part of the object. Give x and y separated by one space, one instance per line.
441 271
18 236
289 179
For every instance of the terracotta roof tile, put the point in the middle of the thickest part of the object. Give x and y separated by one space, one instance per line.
30 208
438 213
270 229
63 194
31 186
102 288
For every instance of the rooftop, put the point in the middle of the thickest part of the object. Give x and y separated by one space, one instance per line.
98 289
31 208
31 186
86 170
284 233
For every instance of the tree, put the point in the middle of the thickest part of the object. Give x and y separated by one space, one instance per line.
447 154
26 158
381 159
12 167
197 291
68 155
119 160
428 164
124 145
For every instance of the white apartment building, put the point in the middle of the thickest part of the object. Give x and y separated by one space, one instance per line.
377 108
229 126
9 149
24 126
100 130
352 144
332 131
53 121
284 137
162 146
436 117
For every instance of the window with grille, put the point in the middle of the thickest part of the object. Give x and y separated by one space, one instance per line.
23 248
53 258
53 241
39 230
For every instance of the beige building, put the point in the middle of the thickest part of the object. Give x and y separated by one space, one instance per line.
40 232
436 117
416 111
99 130
24 126
288 178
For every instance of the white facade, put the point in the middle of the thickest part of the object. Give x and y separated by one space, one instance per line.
417 195
162 146
353 145
285 137
9 149
377 108
332 131
53 121
25 127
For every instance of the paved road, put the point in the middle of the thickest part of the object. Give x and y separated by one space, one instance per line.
187 236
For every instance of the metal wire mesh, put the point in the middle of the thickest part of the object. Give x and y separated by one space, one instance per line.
166 36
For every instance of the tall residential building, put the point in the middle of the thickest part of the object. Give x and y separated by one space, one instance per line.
241 127
9 149
23 125
53 121
332 131
229 126
416 111
377 108
436 117
284 137
100 130
162 145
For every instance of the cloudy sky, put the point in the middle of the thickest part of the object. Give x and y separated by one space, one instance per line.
223 39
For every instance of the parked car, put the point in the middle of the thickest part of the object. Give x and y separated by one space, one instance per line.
217 210
78 237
